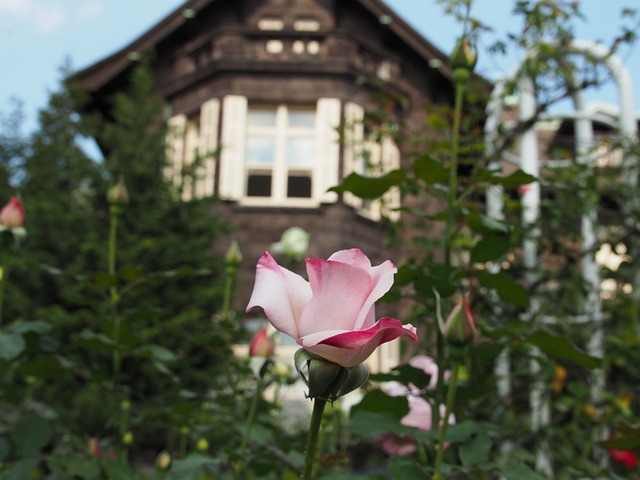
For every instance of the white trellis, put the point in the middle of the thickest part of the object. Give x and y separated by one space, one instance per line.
529 162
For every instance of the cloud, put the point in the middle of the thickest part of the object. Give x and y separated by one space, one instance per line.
88 10
48 19
16 6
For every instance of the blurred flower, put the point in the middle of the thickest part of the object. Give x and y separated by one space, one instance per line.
421 413
12 215
163 460
332 316
423 362
397 445
282 370
557 385
118 193
202 445
590 411
127 438
420 410
93 446
460 327
262 345
234 255
627 457
463 58
294 243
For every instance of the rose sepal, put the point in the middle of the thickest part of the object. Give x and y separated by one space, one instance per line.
326 380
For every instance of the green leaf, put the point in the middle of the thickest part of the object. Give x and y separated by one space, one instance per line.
476 452
507 289
561 348
157 353
85 468
484 224
369 187
401 468
191 466
21 469
30 327
94 342
378 401
621 443
490 248
430 170
462 432
516 179
11 345
368 424
30 434
105 280
520 472
43 366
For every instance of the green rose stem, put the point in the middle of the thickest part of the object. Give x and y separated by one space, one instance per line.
451 396
115 213
449 229
4 276
312 439
228 289
253 408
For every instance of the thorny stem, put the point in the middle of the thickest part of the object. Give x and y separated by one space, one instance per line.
451 396
113 229
4 276
449 229
247 431
312 439
228 289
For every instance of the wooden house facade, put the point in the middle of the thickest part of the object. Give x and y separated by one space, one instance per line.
269 97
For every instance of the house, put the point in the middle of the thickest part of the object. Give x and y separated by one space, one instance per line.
270 100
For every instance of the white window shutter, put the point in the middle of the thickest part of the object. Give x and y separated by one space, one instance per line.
327 149
208 143
175 148
391 161
232 155
353 146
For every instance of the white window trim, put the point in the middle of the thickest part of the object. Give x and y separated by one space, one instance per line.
323 169
384 156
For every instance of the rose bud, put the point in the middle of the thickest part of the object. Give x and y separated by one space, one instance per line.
12 215
460 327
261 345
463 59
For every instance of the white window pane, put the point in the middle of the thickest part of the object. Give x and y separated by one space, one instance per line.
261 150
302 118
300 151
262 117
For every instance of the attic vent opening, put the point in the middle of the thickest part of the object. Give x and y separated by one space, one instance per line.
270 23
306 25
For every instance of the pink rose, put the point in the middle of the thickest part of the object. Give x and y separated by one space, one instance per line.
261 345
332 316
12 215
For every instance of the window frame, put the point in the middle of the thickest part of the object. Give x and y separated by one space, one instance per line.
281 170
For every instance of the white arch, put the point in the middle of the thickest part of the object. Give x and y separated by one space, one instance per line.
529 163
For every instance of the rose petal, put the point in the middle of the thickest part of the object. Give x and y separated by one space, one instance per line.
382 278
339 293
350 348
419 415
428 366
281 293
353 257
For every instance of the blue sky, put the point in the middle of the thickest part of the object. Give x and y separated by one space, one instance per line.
37 36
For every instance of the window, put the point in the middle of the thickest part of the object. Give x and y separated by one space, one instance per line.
280 152
270 23
370 153
191 149
306 25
